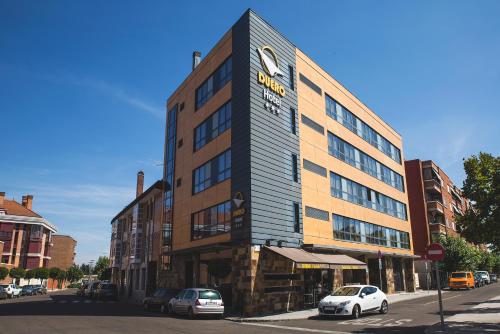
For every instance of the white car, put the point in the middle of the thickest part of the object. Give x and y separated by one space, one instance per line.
485 275
195 302
12 290
354 300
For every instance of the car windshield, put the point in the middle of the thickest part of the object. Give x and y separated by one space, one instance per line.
346 291
4 285
458 275
209 294
26 287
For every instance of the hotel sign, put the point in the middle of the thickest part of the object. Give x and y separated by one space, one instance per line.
272 91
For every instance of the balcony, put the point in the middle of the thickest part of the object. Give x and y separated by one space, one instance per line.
456 210
435 206
432 185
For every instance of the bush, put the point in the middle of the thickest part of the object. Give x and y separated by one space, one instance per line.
74 285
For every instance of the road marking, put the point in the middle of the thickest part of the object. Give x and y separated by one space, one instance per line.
443 299
75 301
300 329
87 301
378 322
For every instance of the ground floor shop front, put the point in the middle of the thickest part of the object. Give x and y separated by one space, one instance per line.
257 280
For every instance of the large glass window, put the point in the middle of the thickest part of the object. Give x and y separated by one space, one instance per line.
211 221
345 228
354 192
213 126
214 83
356 158
212 172
339 113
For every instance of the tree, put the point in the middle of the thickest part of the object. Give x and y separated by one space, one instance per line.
29 275
74 274
17 273
53 274
105 275
481 223
459 255
61 277
85 268
3 273
41 273
101 265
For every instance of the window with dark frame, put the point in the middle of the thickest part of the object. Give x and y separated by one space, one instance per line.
296 218
293 122
214 83
291 77
295 170
212 172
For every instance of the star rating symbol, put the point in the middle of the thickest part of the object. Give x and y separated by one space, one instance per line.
272 108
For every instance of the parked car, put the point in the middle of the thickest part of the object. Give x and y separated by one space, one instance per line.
461 280
3 293
106 291
354 300
478 280
28 290
12 290
485 275
159 299
40 289
194 302
493 278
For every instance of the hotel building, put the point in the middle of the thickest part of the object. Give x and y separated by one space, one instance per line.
282 185
26 236
435 201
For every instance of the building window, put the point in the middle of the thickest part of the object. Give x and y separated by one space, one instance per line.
312 167
214 83
295 170
317 214
310 84
339 113
356 193
291 77
350 229
293 123
212 172
312 124
362 161
213 126
296 218
211 221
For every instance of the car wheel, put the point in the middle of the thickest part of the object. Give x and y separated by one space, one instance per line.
356 312
384 308
162 308
190 313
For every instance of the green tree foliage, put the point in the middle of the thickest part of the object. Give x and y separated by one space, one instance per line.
463 256
481 223
54 274
29 275
85 268
61 277
74 274
105 275
3 273
101 265
41 273
17 273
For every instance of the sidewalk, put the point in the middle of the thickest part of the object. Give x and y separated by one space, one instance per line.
305 314
481 318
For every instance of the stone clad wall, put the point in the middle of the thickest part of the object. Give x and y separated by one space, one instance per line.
249 285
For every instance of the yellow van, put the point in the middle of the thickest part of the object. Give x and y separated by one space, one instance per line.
461 280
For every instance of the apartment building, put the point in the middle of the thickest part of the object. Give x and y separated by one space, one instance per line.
63 252
435 202
135 256
282 185
25 235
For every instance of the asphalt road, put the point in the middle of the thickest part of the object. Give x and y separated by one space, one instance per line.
64 312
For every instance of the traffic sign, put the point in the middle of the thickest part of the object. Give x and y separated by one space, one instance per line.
435 252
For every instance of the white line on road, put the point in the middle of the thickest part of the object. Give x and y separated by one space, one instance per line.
443 299
300 329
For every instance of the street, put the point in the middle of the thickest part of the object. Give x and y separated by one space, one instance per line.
64 312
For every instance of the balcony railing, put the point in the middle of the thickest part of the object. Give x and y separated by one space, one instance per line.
435 206
432 185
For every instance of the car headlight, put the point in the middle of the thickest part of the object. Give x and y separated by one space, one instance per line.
342 304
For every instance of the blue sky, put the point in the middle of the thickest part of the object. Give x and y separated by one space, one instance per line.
83 86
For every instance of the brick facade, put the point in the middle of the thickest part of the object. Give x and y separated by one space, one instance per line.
63 252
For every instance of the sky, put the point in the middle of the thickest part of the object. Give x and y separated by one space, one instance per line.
83 86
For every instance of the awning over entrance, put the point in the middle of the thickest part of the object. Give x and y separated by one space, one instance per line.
307 260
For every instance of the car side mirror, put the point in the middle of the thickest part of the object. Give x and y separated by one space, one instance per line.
363 295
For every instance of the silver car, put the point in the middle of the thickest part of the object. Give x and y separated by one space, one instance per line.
195 302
